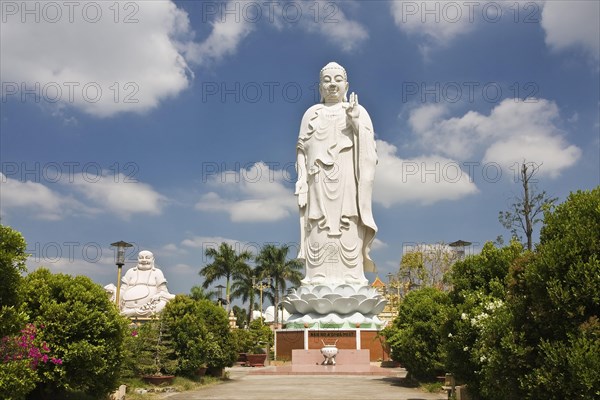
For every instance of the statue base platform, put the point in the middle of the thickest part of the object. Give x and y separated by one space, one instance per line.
289 340
344 357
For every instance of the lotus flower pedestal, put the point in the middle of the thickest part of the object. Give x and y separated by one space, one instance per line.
334 306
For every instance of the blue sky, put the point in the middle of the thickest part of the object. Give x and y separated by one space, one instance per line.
172 125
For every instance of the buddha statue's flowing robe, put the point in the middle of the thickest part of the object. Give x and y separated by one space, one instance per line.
337 225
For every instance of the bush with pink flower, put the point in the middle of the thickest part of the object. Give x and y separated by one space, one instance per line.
20 357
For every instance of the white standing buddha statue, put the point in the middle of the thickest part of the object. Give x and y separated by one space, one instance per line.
336 160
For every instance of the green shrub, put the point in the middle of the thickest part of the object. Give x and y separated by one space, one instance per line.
82 327
155 354
17 379
478 296
12 265
200 334
557 294
244 342
255 339
261 336
531 331
415 338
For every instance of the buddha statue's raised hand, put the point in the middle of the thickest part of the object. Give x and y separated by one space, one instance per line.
353 111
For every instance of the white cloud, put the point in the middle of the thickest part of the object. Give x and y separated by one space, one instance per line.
378 244
90 59
424 180
88 259
228 30
116 194
424 117
184 269
513 132
333 24
256 194
436 23
552 152
38 199
437 20
105 58
572 24
234 21
213 242
172 249
322 17
106 193
203 242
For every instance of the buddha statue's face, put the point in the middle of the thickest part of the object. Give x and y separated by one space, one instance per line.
145 260
333 86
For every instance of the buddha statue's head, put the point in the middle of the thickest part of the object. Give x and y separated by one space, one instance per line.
145 260
333 83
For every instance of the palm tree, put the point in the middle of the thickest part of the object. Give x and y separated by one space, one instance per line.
226 264
199 293
272 262
243 288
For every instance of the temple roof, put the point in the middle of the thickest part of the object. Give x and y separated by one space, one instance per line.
377 283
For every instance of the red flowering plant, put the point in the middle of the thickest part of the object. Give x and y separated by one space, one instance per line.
24 347
20 356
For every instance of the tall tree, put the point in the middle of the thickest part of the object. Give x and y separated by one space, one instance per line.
528 207
199 293
226 264
426 265
243 288
273 262
12 265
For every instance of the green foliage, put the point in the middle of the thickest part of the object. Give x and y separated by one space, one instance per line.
241 317
416 336
272 263
412 266
478 294
154 349
132 348
485 272
82 327
226 264
17 379
199 293
573 363
255 339
244 342
200 334
243 288
426 265
525 325
12 264
261 335
558 294
564 279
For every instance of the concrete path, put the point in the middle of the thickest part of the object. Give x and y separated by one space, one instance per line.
242 386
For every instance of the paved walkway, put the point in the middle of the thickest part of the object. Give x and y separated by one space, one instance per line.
244 386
